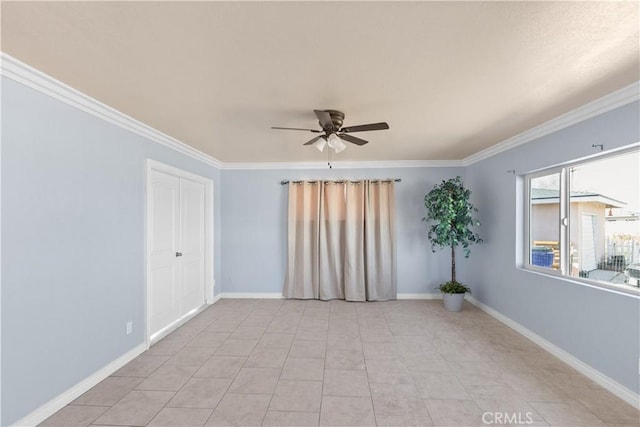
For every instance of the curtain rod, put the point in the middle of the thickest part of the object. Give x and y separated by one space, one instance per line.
339 182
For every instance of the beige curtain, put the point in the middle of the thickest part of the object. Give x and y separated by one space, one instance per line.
380 241
302 279
354 245
332 240
341 241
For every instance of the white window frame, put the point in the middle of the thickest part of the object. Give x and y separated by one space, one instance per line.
562 229
564 219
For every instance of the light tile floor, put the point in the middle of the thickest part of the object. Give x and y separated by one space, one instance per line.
309 363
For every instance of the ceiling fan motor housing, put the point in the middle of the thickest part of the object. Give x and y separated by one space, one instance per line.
331 125
337 117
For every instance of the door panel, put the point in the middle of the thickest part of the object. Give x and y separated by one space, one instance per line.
163 274
162 295
164 199
192 232
177 232
192 285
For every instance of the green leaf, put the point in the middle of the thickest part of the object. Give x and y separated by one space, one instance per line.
448 206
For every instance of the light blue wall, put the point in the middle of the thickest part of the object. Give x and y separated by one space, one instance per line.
73 235
254 227
73 244
600 328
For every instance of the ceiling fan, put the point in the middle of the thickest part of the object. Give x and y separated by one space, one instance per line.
333 132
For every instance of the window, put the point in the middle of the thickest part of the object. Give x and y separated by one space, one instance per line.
583 220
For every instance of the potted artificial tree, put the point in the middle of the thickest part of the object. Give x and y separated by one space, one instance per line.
449 208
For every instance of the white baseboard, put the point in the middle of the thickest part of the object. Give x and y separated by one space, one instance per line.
420 296
175 325
278 295
596 376
216 298
244 295
211 297
63 399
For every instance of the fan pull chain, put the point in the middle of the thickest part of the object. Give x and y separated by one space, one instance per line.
329 158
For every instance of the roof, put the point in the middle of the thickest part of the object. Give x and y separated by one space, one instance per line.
548 196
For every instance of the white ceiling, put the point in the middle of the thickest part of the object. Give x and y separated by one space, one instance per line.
450 78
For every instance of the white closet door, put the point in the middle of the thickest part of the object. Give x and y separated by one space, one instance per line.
192 232
163 271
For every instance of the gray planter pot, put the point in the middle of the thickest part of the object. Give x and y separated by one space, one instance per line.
453 302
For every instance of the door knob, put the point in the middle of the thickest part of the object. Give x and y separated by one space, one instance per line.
178 254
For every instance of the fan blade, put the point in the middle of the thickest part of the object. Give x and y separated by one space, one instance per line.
352 139
309 130
362 128
325 119
313 140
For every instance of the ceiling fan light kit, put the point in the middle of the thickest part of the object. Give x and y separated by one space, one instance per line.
320 143
336 143
334 134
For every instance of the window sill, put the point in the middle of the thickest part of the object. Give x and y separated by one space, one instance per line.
607 287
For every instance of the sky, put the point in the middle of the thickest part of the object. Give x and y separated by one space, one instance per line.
616 177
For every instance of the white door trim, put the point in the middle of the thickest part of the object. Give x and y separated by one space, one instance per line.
153 165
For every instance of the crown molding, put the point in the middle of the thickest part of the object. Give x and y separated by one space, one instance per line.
608 102
24 74
346 165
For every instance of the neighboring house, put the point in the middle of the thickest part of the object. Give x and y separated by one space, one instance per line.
587 234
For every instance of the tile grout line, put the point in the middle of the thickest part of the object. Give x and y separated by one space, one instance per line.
232 379
324 364
186 382
418 395
280 374
213 410
375 416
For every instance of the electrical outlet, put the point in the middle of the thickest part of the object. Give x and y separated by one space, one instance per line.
129 327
